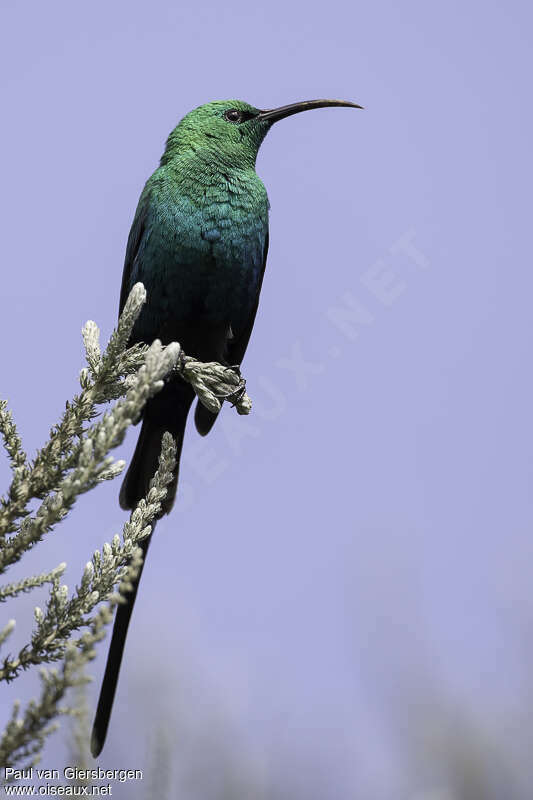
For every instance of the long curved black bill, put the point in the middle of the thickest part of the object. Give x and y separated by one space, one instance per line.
275 114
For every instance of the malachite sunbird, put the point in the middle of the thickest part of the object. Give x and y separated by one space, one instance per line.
199 244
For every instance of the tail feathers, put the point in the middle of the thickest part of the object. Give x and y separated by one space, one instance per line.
143 467
167 411
114 659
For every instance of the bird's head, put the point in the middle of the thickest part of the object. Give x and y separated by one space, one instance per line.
231 131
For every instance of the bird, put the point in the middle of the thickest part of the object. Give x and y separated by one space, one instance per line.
199 244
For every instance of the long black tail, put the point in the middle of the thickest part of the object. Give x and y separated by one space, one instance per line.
167 411
114 659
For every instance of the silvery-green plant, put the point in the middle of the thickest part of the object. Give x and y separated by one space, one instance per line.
73 461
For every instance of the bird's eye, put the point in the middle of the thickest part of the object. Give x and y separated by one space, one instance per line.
233 115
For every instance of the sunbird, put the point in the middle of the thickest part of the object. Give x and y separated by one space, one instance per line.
198 243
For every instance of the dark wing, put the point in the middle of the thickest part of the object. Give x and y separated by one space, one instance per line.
236 348
135 238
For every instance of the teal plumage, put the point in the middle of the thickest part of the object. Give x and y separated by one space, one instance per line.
198 243
199 258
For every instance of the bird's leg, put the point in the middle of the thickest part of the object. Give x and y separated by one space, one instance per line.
236 396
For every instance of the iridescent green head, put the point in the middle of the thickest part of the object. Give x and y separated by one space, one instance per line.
231 131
